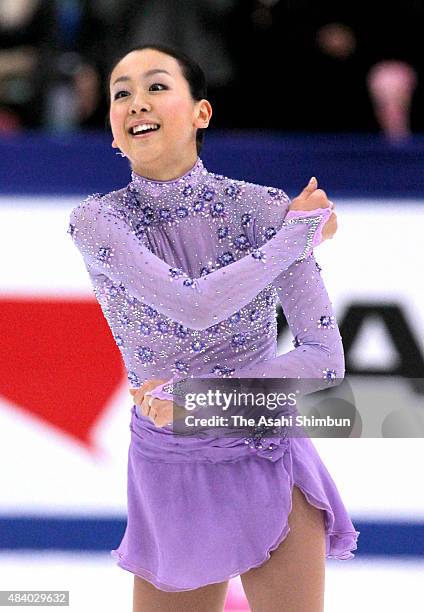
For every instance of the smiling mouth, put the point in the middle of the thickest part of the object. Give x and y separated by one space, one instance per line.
140 130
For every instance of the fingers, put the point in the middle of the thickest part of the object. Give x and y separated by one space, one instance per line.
335 226
310 188
330 227
149 404
148 385
319 196
146 405
138 394
160 412
310 198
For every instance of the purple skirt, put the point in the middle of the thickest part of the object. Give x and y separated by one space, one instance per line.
202 511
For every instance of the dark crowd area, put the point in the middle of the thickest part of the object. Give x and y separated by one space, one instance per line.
294 65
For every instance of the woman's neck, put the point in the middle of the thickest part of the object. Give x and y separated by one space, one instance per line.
165 172
184 184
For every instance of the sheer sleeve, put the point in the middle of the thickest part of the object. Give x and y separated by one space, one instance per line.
318 352
110 246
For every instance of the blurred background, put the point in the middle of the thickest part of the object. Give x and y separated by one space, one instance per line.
298 88
321 65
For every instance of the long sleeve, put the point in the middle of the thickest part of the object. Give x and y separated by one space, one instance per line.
318 352
110 246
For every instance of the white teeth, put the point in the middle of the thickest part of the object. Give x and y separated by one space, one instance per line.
138 129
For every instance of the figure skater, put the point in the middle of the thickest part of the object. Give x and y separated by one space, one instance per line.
187 266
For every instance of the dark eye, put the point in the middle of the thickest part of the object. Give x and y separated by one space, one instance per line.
119 94
158 85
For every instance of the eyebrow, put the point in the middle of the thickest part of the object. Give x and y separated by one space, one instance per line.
144 75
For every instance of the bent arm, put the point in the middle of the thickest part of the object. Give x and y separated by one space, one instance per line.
318 356
109 246
318 351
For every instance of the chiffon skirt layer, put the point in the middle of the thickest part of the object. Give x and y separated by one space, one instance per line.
201 512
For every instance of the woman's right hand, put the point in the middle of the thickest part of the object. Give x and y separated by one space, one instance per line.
138 393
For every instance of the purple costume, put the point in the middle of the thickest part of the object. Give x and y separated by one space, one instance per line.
188 273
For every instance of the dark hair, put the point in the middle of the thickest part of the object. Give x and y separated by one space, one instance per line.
191 71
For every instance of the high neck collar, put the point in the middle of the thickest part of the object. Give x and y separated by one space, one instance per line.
157 188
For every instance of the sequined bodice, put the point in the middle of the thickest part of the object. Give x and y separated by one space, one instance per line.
196 225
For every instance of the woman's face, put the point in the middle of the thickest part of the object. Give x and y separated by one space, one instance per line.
148 87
